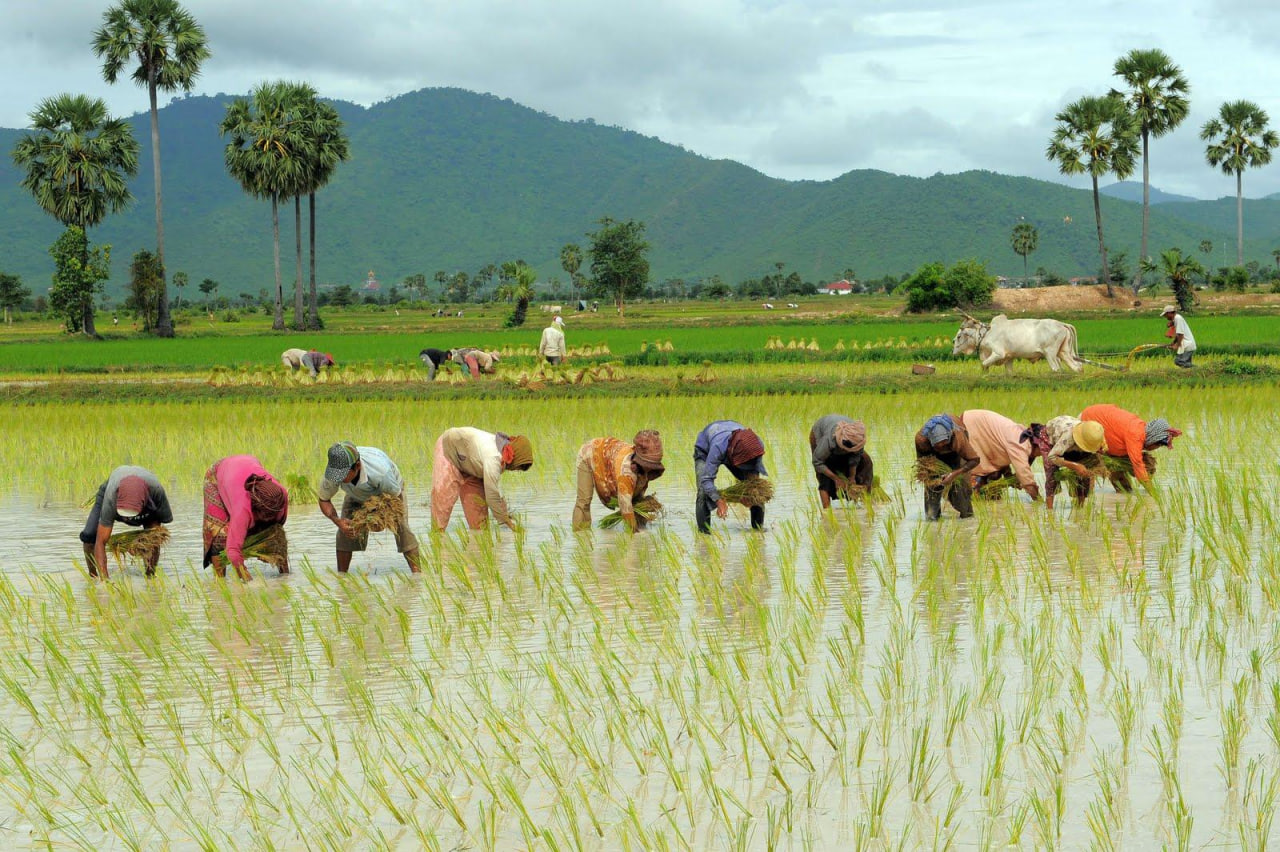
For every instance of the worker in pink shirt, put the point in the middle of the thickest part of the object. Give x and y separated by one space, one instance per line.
240 499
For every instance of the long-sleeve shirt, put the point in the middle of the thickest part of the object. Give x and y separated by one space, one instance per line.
157 508
995 439
1061 439
378 475
824 441
232 473
611 471
552 343
1125 432
475 453
711 448
959 446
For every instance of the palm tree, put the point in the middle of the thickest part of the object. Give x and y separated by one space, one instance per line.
1275 253
329 147
518 279
1024 240
1206 248
1099 136
77 162
571 262
1239 139
1177 269
1157 97
169 47
267 155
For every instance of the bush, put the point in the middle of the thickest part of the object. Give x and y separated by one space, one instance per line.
231 316
934 287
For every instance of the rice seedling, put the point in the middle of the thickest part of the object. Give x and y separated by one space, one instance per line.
647 510
756 491
143 545
378 513
270 546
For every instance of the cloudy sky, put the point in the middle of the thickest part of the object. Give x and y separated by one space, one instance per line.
798 89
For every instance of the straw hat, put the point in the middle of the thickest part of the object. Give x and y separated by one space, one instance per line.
1169 309
1089 436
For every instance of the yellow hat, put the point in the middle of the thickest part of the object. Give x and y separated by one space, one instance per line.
1089 436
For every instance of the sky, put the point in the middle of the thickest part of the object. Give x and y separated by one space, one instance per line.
797 89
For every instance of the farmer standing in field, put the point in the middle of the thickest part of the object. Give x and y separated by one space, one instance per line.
1001 445
468 463
1073 442
732 445
945 438
1184 342
434 359
240 499
837 446
552 345
131 495
616 470
363 473
1127 436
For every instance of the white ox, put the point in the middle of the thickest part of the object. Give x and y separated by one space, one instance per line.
1005 340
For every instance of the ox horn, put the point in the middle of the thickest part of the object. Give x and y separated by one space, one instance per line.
971 317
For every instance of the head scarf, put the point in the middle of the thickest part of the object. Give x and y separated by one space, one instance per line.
647 452
328 360
342 457
558 321
518 453
851 436
1038 437
132 494
1160 433
939 428
744 446
267 497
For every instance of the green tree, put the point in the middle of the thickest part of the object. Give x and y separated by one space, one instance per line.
78 273
267 154
1024 240
1095 136
342 296
1239 139
519 278
1157 98
1275 254
146 280
76 164
571 262
168 47
12 295
328 148
208 286
1177 269
934 286
180 281
619 266
1206 248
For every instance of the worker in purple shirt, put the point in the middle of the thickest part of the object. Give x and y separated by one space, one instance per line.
729 444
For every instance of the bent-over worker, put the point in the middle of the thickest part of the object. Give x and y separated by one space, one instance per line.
1128 436
316 361
1072 443
616 470
240 499
468 463
434 359
1001 445
729 444
131 495
292 358
363 473
945 438
476 361
837 446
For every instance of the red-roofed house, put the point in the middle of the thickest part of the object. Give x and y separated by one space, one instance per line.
837 288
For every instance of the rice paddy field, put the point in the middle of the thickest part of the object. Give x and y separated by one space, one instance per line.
1103 677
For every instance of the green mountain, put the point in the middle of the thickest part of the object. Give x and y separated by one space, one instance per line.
444 179
1131 190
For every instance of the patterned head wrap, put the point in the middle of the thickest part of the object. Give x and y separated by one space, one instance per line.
132 494
744 446
342 457
1038 437
266 496
646 452
939 428
518 453
1160 433
851 436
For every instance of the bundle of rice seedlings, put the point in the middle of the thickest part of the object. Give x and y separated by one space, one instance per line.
378 513
269 546
647 509
1070 479
840 345
300 487
143 545
706 374
930 470
873 493
994 490
1117 467
749 492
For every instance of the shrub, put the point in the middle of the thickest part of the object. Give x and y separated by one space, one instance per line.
934 287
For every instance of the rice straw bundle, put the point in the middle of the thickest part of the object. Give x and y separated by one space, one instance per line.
378 513
144 545
872 493
749 492
269 546
930 470
647 509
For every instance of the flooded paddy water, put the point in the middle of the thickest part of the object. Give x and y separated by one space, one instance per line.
1102 677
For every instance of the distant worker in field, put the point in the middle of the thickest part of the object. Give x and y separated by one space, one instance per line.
552 345
725 443
434 359
944 437
837 446
316 361
1073 444
476 361
615 470
1004 446
363 473
1128 436
240 499
131 495
1184 342
292 358
467 466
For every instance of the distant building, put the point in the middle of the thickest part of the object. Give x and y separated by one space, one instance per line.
1082 279
843 287
371 284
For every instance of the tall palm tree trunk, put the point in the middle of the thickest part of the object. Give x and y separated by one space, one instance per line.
297 280
313 310
1102 247
1240 218
1146 207
164 323
278 323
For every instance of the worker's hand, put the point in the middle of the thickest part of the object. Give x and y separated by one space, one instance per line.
1048 502
1033 491
949 478
345 526
722 508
